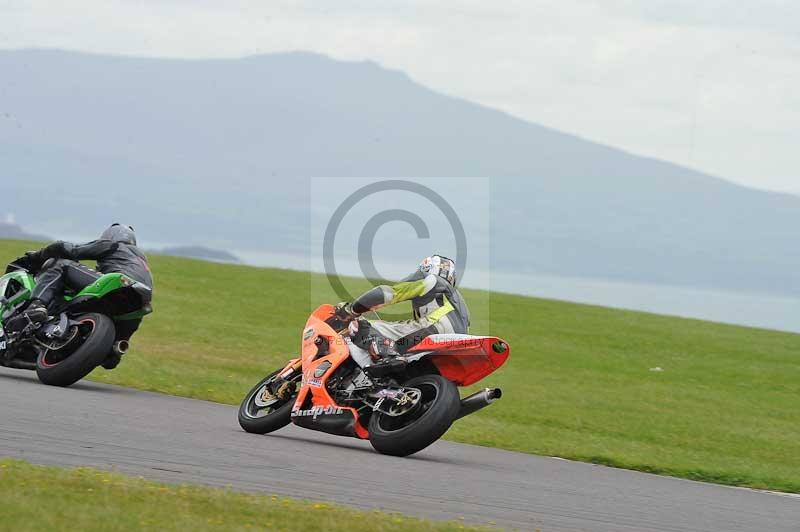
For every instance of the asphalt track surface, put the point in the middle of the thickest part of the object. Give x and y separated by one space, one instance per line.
181 440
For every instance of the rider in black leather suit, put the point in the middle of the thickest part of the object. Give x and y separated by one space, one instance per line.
114 251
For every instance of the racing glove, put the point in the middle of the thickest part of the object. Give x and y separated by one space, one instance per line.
34 261
344 311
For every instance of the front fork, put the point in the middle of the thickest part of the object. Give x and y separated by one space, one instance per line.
291 371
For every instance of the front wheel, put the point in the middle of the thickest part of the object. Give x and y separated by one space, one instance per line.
410 433
93 341
257 416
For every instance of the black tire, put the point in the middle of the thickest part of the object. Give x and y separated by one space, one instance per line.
278 416
410 433
56 371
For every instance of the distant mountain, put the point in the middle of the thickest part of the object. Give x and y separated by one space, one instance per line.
13 231
200 252
219 153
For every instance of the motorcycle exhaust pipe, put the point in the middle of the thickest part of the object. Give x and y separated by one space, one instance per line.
478 400
121 347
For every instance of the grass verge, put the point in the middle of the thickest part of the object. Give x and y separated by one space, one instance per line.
38 498
581 382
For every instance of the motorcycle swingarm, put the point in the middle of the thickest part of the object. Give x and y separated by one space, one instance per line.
57 330
394 402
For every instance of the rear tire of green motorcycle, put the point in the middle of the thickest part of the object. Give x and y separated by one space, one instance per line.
84 359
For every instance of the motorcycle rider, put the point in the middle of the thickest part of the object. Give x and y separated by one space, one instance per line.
438 308
115 252
376 345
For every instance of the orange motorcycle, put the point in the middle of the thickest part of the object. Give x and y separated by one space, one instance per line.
400 413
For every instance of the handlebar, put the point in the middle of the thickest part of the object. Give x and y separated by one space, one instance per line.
16 265
337 324
24 264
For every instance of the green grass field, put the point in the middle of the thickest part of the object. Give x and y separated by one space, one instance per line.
579 385
92 500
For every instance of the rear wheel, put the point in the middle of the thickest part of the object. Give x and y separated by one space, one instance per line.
92 343
258 416
410 433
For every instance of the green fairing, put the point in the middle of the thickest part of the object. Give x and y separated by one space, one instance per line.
100 288
23 278
107 284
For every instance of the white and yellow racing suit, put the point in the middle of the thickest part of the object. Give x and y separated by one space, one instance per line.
437 305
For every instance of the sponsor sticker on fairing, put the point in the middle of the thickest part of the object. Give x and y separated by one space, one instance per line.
322 369
319 411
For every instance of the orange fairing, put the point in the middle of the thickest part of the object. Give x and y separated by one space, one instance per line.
319 363
461 358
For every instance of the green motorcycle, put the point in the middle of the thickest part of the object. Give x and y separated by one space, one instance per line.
80 333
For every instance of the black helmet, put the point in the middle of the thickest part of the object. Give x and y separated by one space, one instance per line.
120 233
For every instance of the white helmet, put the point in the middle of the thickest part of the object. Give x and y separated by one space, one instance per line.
441 266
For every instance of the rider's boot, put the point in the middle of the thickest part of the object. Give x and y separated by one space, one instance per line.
382 352
386 356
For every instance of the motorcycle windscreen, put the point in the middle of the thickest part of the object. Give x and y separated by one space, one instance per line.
461 358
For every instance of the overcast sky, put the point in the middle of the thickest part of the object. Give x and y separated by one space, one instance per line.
712 84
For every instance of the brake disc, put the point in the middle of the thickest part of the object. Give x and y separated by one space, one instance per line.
264 397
